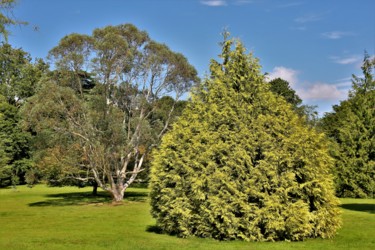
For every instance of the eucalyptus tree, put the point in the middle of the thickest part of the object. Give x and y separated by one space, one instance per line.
113 125
71 58
239 163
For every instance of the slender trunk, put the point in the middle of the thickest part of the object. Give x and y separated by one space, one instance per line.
95 188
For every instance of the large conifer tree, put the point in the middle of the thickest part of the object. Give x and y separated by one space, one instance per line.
240 164
352 126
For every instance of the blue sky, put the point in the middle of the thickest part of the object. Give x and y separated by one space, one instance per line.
316 45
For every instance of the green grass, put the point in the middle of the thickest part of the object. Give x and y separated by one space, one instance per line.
70 218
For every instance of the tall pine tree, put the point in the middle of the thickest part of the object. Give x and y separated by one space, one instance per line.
240 164
352 127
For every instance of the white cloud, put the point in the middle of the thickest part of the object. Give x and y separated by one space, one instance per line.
218 3
318 93
214 3
322 91
308 18
353 59
344 83
336 34
287 74
243 2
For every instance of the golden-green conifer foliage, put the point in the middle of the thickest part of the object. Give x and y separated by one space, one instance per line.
240 164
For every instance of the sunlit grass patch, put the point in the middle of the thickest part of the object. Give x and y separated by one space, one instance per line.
71 218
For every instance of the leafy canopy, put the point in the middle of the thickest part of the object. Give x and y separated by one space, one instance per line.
104 133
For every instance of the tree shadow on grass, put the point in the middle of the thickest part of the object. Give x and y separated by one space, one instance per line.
158 230
85 198
135 196
369 208
154 229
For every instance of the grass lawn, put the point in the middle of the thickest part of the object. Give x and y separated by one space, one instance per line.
70 218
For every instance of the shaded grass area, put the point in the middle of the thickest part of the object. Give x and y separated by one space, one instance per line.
72 218
84 198
362 207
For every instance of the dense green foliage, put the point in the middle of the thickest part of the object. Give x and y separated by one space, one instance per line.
241 164
18 74
18 78
352 127
282 88
14 147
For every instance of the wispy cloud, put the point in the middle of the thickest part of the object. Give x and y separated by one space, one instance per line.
336 34
243 2
344 83
214 3
287 74
352 59
309 18
219 3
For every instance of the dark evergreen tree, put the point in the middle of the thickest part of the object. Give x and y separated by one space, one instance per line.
18 79
352 127
240 164
282 88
